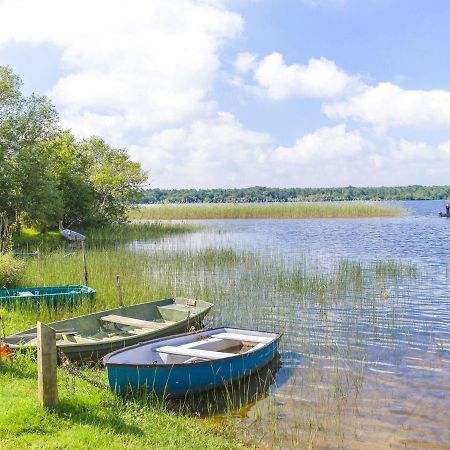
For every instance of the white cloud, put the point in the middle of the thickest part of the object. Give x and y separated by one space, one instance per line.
245 62
216 152
324 144
383 106
241 157
406 151
319 78
139 67
142 76
444 149
387 105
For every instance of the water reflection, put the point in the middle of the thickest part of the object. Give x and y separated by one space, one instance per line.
235 399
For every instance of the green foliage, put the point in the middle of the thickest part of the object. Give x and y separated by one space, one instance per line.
46 176
26 123
10 270
113 178
266 194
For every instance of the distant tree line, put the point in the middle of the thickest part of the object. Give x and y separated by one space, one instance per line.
48 177
265 194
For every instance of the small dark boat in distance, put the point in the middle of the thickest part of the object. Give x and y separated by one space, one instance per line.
444 214
90 337
51 296
192 362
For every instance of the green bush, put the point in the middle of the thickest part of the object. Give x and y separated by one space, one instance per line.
10 270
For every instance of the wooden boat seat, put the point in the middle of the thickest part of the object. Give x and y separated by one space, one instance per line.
193 352
243 337
58 333
130 321
178 307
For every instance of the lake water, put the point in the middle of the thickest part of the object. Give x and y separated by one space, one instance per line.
366 369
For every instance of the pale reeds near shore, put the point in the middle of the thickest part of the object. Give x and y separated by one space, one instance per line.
265 211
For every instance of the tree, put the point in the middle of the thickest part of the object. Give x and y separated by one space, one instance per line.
26 124
47 176
115 179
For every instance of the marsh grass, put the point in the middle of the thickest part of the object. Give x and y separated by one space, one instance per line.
106 235
265 211
328 318
125 232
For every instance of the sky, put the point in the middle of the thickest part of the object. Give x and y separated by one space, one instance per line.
238 93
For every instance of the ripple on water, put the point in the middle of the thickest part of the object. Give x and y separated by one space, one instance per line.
365 366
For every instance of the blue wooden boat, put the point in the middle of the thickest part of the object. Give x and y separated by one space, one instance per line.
49 295
191 362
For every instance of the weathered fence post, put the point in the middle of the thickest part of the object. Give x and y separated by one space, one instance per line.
84 263
119 291
47 377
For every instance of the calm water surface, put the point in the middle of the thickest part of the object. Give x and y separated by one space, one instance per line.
370 369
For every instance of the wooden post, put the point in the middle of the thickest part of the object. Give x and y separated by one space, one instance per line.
119 291
84 263
47 377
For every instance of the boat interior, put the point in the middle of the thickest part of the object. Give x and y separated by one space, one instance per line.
118 323
199 347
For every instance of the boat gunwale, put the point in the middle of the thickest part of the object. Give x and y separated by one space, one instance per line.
276 339
73 347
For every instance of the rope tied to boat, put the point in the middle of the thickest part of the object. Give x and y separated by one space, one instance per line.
75 371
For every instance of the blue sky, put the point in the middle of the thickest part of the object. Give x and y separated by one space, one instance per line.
217 93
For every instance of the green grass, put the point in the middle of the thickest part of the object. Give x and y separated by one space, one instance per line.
265 211
31 239
137 231
91 418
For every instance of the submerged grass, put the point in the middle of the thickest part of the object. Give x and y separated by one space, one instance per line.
266 211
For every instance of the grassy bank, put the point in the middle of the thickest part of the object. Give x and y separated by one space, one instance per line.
91 418
265 211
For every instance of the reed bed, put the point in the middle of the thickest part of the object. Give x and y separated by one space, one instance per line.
327 318
265 211
125 232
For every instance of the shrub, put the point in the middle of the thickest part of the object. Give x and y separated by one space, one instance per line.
10 270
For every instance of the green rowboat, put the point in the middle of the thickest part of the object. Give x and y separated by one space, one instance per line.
88 338
50 296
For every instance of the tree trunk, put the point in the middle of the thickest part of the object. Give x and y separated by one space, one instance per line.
18 223
5 230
